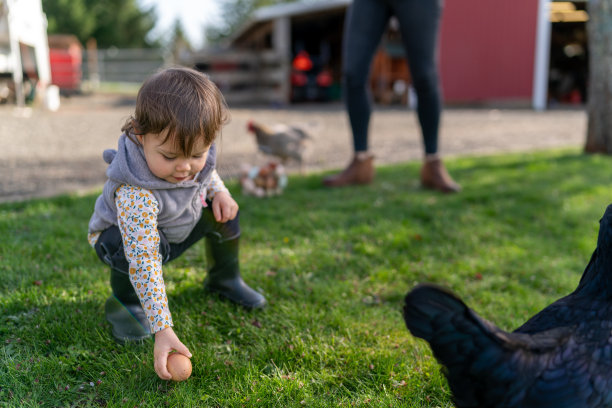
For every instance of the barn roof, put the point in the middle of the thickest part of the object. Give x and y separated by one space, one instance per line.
299 8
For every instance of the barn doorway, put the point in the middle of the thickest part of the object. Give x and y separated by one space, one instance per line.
568 65
316 50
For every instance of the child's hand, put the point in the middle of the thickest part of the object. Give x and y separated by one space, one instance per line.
224 207
165 342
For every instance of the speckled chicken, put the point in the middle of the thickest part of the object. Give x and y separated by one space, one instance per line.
560 358
282 141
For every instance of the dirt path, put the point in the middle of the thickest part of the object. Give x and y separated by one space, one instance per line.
44 153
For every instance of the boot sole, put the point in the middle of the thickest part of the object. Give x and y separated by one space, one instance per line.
258 305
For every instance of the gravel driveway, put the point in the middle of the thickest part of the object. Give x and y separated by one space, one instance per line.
45 153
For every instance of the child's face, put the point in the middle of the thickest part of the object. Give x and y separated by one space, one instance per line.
168 163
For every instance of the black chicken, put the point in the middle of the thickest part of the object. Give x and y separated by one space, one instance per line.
560 358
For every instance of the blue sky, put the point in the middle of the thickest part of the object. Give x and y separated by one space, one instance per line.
195 15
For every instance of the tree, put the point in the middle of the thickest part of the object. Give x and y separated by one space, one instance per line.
599 105
178 44
118 23
69 17
234 14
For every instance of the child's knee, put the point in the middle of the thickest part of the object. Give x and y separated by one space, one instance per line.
222 231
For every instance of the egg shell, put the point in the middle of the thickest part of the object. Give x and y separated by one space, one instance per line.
179 366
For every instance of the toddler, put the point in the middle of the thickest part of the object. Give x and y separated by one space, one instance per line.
162 195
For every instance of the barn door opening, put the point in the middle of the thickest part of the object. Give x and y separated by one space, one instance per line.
568 64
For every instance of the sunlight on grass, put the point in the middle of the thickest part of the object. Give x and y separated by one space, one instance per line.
334 264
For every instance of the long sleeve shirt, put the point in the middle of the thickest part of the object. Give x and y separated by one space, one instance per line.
137 210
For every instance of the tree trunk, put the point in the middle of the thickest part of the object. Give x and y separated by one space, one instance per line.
599 105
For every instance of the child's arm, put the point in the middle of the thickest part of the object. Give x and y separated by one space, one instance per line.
224 206
137 211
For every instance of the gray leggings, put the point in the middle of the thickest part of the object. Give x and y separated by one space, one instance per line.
419 26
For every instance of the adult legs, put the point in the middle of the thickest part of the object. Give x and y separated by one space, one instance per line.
419 23
366 21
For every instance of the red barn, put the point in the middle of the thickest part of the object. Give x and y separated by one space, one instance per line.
488 50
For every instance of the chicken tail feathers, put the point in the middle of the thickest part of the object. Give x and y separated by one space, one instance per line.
435 314
467 345
300 133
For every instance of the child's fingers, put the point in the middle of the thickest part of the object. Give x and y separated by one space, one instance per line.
234 212
225 212
160 366
181 348
230 212
216 208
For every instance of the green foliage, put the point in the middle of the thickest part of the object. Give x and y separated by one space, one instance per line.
234 13
178 42
118 23
69 17
178 34
334 265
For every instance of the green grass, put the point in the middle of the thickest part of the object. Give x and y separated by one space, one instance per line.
123 88
334 264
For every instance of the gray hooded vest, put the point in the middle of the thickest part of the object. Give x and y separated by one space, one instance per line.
180 206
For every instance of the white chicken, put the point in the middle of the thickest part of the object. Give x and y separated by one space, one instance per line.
282 141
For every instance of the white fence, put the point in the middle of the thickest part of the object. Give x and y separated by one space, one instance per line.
246 76
123 65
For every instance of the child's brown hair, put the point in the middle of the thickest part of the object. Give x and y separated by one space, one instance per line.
181 101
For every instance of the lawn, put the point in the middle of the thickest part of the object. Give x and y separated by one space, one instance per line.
334 265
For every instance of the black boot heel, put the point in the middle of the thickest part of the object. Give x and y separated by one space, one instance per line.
128 322
124 312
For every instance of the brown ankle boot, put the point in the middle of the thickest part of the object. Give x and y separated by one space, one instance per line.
435 176
359 171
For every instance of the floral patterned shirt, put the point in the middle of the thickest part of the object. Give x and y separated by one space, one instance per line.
137 210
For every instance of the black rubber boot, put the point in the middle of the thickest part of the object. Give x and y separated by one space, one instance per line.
224 274
124 311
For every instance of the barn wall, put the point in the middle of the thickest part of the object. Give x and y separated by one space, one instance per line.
487 50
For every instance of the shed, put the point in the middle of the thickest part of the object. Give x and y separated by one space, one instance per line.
66 56
492 52
24 51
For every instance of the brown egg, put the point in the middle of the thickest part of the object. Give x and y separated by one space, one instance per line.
179 366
